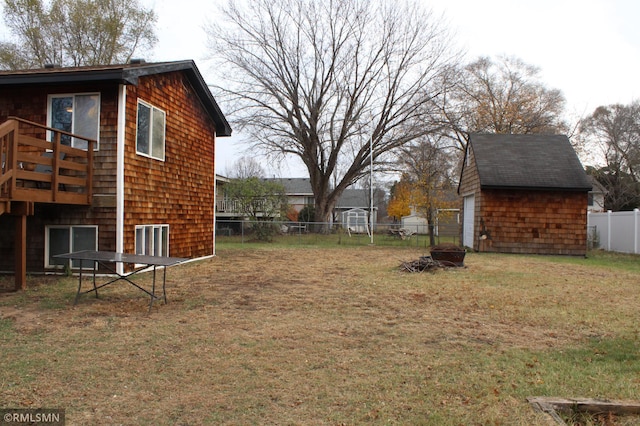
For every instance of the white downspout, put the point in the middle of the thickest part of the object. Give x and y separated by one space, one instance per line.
215 193
122 113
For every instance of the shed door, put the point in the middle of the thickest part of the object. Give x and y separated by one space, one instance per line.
468 217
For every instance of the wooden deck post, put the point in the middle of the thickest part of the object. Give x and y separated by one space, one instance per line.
21 252
19 200
20 210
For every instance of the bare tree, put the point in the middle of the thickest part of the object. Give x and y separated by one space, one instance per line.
622 191
75 32
427 164
326 80
501 96
245 167
615 131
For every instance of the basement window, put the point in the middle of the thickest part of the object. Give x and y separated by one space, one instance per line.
67 239
152 240
150 132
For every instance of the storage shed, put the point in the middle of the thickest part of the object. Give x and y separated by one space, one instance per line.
523 194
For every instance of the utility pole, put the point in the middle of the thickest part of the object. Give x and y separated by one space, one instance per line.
371 186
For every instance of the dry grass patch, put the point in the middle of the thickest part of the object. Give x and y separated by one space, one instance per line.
327 336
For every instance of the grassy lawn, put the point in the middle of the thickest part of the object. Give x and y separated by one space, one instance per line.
267 334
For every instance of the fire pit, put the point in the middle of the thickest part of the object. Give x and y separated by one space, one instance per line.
448 254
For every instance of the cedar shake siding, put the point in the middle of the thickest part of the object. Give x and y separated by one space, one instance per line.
31 103
177 191
530 194
541 222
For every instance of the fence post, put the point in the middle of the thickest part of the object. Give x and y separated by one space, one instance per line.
588 224
609 230
635 230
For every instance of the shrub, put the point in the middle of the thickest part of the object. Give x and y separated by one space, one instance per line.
307 214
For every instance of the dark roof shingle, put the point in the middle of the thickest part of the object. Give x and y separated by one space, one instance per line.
294 186
123 74
528 162
354 198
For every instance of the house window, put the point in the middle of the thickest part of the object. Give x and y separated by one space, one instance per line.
67 239
78 114
150 131
309 201
152 240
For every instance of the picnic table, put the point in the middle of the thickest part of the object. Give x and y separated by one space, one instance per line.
401 233
107 258
294 229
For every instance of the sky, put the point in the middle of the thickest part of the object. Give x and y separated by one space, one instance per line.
588 49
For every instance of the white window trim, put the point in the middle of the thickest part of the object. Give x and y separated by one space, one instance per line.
70 227
164 142
66 95
467 157
158 225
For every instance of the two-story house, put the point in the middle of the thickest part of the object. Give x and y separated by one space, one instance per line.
147 183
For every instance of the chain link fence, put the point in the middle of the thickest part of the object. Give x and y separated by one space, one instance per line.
322 233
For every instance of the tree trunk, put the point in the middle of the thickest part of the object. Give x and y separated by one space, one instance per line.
324 210
430 219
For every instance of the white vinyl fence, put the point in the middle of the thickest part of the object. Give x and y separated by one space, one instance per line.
619 231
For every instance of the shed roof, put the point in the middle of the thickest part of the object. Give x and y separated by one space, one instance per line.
528 162
121 74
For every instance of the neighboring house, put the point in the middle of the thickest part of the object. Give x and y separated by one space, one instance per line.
298 190
596 196
299 195
523 194
225 207
150 185
354 203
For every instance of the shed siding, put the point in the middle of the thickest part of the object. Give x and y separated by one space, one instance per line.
178 191
541 222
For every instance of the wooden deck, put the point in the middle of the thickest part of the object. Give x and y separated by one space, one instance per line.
36 170
36 167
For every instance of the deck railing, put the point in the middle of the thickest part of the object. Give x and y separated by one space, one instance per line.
227 205
36 169
234 205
